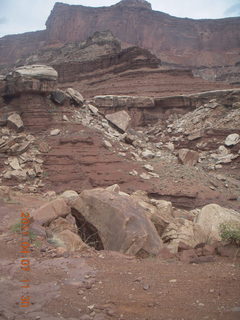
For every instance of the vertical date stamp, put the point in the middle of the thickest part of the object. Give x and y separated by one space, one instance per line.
25 263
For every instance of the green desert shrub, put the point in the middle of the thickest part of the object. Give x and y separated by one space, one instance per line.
230 231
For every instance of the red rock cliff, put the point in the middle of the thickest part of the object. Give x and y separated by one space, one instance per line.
175 40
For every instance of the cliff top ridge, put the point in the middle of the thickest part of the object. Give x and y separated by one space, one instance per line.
135 3
123 3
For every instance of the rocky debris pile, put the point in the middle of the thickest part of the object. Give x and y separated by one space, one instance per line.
210 116
228 74
145 151
108 219
207 136
21 163
33 78
135 145
116 130
14 144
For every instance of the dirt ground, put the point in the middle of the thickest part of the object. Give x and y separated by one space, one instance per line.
107 285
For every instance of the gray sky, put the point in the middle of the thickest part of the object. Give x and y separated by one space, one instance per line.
18 16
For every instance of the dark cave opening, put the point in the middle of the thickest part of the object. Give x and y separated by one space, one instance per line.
88 233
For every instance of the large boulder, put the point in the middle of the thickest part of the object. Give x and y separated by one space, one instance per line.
75 96
232 139
120 119
58 96
120 222
211 217
51 211
32 78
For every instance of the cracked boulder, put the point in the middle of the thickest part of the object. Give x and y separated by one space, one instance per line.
121 223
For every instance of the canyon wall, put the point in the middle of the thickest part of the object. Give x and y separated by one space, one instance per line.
186 42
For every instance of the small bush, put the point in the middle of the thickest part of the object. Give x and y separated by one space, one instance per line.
230 231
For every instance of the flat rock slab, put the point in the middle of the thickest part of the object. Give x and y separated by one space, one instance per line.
115 101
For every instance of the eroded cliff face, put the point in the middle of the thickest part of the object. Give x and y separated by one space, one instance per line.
99 55
100 66
14 47
182 41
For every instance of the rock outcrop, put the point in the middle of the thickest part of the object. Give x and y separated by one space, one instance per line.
99 65
146 110
34 78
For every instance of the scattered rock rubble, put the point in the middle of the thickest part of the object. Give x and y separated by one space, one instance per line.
22 162
131 223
